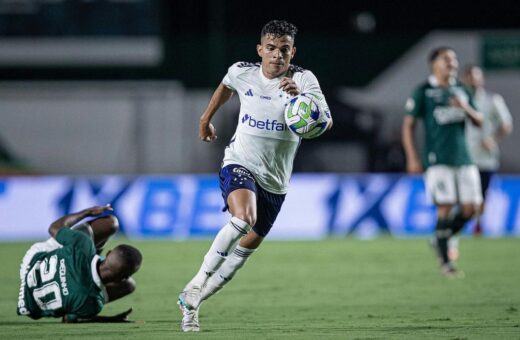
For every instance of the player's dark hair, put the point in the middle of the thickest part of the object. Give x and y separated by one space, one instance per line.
131 258
434 54
279 28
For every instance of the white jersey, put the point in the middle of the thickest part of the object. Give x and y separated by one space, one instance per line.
263 143
495 114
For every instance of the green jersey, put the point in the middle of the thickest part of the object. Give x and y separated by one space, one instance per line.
444 125
64 281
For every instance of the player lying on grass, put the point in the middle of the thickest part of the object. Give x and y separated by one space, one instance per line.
66 277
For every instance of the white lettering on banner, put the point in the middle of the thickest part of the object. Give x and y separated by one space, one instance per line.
315 206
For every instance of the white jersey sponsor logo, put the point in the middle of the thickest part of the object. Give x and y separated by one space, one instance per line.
263 143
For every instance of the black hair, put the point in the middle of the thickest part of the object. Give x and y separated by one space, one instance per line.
434 54
279 28
131 258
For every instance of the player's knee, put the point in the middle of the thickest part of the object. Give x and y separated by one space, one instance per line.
247 217
112 224
469 211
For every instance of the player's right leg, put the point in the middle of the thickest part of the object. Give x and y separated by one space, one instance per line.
441 185
485 180
99 229
239 192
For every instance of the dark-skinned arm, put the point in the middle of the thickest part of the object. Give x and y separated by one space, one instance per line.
118 318
68 221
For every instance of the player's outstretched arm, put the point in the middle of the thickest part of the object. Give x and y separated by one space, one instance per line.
413 163
207 131
118 318
68 221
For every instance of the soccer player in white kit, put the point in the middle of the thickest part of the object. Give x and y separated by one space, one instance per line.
483 142
257 163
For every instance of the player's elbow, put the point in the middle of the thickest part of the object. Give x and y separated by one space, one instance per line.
53 230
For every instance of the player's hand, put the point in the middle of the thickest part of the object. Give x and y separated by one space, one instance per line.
329 124
98 210
414 166
122 317
459 103
288 85
489 144
207 131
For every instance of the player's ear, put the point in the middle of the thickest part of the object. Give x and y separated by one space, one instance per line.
259 50
293 52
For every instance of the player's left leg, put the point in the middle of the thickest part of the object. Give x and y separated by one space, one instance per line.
470 196
441 185
485 179
104 228
268 206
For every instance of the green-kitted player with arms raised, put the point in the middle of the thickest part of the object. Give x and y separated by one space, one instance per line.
66 277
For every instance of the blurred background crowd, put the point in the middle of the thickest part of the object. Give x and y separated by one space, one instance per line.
117 86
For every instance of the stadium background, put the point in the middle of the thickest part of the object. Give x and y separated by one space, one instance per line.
99 103
97 88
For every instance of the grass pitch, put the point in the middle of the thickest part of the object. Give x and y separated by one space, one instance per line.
333 289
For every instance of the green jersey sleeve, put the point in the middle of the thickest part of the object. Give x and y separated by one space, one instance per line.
76 239
414 104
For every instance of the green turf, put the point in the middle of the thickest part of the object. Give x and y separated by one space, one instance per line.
334 289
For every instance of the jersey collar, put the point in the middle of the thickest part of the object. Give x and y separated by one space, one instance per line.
95 274
266 80
434 83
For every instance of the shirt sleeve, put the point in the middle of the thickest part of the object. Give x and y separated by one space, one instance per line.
76 239
501 110
414 104
230 77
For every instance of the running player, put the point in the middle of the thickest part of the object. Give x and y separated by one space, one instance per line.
65 277
483 143
452 179
258 161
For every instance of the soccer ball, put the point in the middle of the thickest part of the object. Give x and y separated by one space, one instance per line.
304 117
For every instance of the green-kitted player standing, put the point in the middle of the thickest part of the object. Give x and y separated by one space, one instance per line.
444 105
66 277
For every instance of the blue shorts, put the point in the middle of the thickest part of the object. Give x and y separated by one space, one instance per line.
268 205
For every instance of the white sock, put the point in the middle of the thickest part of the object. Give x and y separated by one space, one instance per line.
224 243
233 263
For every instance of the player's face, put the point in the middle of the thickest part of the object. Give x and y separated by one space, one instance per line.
276 54
474 77
446 65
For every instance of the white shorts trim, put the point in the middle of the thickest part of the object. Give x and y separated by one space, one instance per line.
454 185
